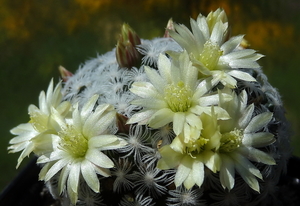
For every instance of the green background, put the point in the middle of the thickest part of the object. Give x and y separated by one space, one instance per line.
38 36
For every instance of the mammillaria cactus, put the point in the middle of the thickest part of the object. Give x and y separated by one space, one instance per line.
185 119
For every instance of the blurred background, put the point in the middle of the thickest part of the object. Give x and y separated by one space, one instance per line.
38 36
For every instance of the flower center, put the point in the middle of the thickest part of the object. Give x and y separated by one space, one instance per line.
73 142
231 140
210 55
178 97
195 147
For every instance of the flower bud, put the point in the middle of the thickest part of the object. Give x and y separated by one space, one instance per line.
65 74
126 53
129 35
170 26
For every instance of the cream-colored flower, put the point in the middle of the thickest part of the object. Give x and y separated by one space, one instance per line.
241 136
212 53
191 157
37 135
174 94
78 150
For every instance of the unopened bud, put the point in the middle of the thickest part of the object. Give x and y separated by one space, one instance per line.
64 73
170 26
129 35
126 52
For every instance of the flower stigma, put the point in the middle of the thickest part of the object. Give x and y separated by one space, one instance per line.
231 140
73 142
210 55
178 97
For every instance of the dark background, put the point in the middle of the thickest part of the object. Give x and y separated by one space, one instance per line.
37 36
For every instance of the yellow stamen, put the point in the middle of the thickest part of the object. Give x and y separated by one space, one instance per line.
196 147
231 140
73 142
178 97
210 55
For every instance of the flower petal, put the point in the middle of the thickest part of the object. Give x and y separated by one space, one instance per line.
144 90
183 171
150 103
164 66
198 172
23 135
99 159
119 143
90 176
102 171
227 172
257 155
73 195
22 128
44 170
161 118
246 116
244 63
73 178
244 162
212 161
194 121
178 122
189 182
231 44
241 75
64 174
92 128
248 177
170 158
88 107
158 82
177 145
259 139
56 168
102 140
258 122
141 117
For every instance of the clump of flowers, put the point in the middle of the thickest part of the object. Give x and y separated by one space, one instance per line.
186 119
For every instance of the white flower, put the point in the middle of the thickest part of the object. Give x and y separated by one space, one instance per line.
78 152
241 135
211 53
173 95
36 136
189 158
